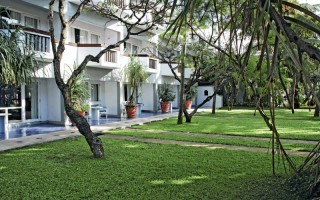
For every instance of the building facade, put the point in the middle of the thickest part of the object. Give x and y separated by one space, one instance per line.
41 101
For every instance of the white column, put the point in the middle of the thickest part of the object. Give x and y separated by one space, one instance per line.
23 103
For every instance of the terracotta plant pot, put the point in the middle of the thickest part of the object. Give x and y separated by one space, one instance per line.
188 103
131 111
165 106
82 113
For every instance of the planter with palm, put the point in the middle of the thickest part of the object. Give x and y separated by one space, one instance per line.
190 95
136 75
166 95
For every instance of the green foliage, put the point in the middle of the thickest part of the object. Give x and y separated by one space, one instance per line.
165 93
17 62
192 93
79 92
136 75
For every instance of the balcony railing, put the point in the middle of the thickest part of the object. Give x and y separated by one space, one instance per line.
118 3
152 64
37 42
111 56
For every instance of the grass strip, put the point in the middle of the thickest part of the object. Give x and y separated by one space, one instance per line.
228 141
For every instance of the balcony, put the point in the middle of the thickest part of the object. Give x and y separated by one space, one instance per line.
124 3
108 61
39 42
166 71
148 61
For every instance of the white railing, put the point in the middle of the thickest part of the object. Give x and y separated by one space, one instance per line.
111 56
37 42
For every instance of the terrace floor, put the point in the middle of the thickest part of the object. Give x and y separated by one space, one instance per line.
35 129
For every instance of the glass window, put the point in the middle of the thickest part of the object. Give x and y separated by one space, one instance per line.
80 36
31 22
14 16
127 47
94 92
95 39
83 37
135 49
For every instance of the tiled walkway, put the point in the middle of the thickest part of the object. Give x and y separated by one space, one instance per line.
36 137
36 129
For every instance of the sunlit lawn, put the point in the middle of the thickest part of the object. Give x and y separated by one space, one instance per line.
253 142
301 125
133 170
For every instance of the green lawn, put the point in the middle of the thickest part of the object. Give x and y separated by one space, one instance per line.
134 170
219 140
301 125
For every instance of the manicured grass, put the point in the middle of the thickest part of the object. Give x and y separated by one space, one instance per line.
229 141
134 170
301 125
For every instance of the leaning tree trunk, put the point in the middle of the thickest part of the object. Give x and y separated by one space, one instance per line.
83 126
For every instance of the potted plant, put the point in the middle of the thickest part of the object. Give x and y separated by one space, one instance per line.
166 95
79 95
136 75
190 95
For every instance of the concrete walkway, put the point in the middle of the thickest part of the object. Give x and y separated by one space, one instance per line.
15 143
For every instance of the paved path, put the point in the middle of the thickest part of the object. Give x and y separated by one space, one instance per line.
15 143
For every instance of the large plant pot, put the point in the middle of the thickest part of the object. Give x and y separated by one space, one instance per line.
188 103
165 106
131 111
82 113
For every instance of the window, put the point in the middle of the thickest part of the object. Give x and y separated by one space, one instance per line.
206 93
80 36
127 47
16 16
31 22
135 49
94 92
12 16
94 39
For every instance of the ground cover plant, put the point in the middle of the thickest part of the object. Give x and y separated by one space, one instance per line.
135 170
240 141
243 122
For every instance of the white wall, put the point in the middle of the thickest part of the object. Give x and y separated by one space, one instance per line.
53 101
147 97
110 97
201 97
43 93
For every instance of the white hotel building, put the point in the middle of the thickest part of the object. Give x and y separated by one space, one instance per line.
42 101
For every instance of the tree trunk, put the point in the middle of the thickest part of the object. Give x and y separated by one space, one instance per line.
317 109
188 118
214 99
182 89
83 126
